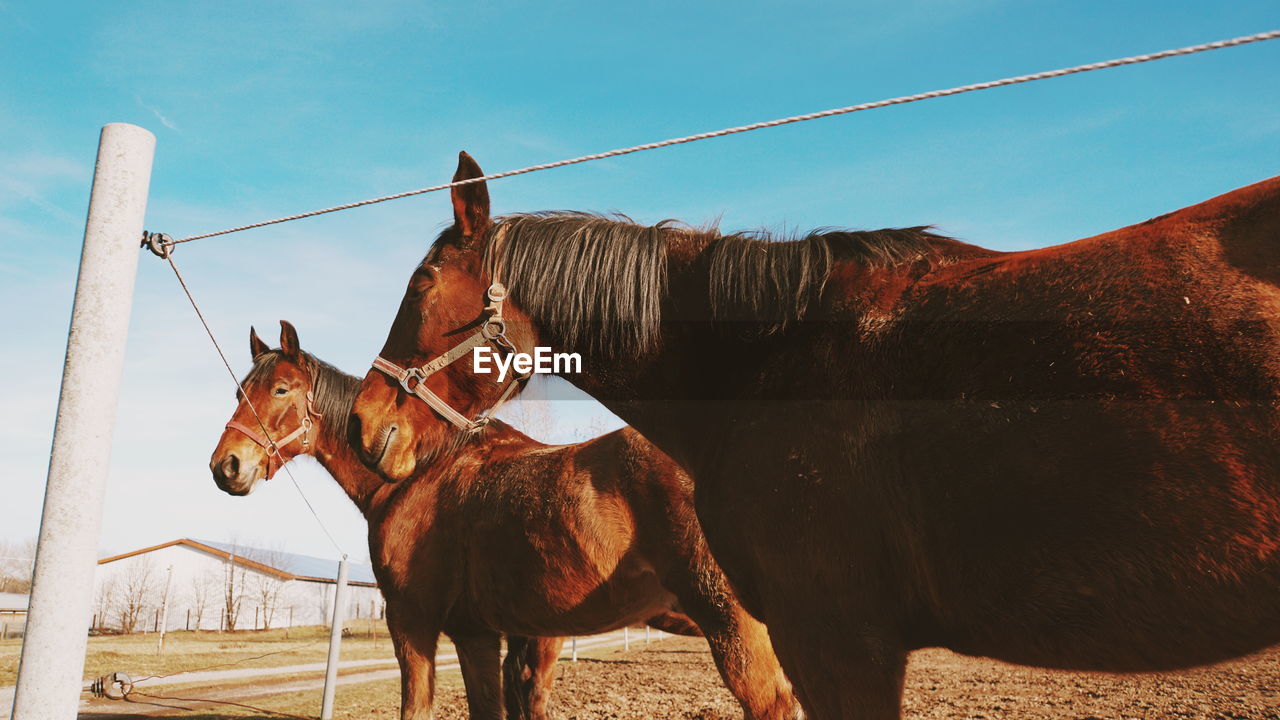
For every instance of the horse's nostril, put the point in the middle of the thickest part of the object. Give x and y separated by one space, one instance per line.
231 467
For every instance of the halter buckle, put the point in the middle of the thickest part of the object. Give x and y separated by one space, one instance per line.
413 373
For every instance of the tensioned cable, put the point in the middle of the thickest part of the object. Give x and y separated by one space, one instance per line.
295 648
1132 60
266 433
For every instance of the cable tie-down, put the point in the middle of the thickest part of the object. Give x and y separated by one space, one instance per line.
159 244
115 686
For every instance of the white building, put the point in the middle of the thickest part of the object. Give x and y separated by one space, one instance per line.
13 614
215 585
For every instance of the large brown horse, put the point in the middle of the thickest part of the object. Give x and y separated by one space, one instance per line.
508 536
1066 457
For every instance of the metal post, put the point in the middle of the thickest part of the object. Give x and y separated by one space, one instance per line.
164 608
335 642
574 643
49 676
626 638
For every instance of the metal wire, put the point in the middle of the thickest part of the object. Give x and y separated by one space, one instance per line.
168 256
129 698
230 663
1131 60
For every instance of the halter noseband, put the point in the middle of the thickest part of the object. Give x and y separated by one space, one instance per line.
305 410
494 330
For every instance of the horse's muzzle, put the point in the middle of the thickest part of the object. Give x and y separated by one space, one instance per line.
227 472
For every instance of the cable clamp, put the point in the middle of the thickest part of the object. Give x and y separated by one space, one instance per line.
159 244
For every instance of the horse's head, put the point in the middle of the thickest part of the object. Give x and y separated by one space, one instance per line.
423 388
279 388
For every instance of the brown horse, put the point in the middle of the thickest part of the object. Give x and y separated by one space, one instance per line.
1066 457
507 536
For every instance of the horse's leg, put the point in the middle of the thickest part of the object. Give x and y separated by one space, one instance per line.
527 675
739 643
415 645
479 656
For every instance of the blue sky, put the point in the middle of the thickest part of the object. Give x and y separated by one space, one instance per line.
265 109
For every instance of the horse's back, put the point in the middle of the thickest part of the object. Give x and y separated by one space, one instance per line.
1098 445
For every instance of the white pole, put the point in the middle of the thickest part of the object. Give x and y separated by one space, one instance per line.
574 642
164 608
646 634
49 676
335 642
626 638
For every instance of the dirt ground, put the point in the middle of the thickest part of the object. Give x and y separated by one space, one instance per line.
676 679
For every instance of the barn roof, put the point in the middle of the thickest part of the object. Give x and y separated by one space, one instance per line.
286 566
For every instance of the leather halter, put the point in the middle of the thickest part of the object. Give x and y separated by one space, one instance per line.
305 410
494 330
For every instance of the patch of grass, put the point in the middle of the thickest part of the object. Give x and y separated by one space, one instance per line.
378 699
137 654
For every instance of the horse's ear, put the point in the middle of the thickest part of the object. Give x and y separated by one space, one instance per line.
471 201
288 339
256 346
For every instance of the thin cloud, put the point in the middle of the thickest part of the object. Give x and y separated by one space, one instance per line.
32 178
159 115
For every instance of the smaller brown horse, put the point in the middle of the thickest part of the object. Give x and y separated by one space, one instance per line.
507 536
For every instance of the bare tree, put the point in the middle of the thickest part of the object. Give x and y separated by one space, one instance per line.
233 591
104 602
323 602
16 560
136 593
265 589
203 593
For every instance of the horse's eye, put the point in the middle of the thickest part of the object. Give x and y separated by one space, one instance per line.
281 391
424 278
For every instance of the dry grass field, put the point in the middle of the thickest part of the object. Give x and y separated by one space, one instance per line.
137 654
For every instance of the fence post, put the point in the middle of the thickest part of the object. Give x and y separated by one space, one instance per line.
335 642
49 675
626 638
574 643
164 608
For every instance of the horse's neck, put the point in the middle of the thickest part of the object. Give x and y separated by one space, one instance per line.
334 452
352 476
691 366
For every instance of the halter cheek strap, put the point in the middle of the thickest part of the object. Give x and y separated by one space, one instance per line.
413 379
305 410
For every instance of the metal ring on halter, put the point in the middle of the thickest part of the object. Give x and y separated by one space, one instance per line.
409 374
497 292
488 331
307 424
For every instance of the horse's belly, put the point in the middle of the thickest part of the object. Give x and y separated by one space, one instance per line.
582 603
1166 633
